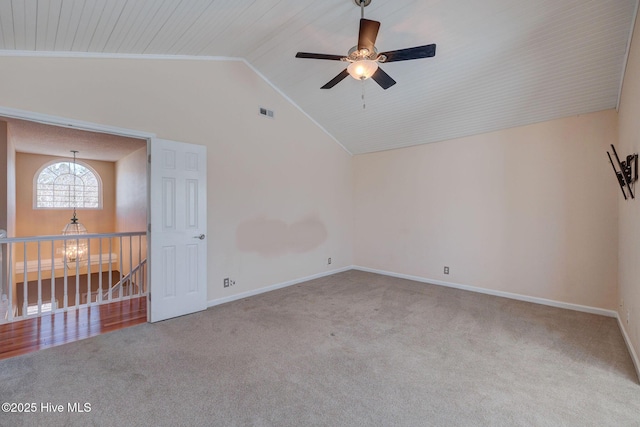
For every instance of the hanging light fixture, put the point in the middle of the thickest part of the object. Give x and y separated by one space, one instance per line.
74 250
362 69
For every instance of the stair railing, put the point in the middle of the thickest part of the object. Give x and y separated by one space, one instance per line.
37 276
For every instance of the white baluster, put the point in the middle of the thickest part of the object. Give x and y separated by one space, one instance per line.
77 276
139 278
110 269
121 266
66 277
53 276
10 277
130 266
88 271
99 297
25 281
39 281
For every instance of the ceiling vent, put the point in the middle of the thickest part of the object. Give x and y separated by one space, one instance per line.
266 113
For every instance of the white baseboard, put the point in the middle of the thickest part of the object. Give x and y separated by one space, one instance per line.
627 341
274 287
519 297
510 295
535 300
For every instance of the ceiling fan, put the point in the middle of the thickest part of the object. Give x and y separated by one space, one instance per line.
364 58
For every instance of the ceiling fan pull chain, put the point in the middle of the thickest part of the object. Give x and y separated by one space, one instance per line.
363 104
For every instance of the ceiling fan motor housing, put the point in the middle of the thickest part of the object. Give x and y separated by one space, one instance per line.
358 55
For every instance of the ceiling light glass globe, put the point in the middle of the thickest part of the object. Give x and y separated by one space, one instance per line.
363 69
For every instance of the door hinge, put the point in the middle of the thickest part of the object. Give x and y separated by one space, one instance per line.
149 227
149 158
149 296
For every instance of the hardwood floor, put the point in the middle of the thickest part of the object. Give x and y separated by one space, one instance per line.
29 335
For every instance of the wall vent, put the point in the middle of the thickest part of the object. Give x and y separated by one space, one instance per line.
266 113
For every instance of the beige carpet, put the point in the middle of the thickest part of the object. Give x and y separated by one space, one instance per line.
352 349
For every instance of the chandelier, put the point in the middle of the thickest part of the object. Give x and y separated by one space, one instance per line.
74 251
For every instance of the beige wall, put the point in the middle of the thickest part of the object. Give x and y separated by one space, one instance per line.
629 249
266 177
45 222
4 150
530 210
131 207
11 184
8 199
131 192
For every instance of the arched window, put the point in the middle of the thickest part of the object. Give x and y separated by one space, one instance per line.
58 186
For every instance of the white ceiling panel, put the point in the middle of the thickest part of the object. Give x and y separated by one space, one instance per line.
499 63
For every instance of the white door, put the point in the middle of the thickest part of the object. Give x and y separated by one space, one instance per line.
178 217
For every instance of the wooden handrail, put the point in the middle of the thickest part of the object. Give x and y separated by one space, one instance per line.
125 278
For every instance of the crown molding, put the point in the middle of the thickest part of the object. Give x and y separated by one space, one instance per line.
56 54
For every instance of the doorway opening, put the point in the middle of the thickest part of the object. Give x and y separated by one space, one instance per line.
42 273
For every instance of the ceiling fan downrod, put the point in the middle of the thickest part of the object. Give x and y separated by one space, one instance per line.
362 4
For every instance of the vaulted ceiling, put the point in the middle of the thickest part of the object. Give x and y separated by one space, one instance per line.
499 63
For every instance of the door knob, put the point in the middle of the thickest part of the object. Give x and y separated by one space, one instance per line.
201 237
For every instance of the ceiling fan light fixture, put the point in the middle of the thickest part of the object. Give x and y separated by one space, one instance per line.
363 58
362 69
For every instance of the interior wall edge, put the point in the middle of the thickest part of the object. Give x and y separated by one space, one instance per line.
629 344
519 297
626 54
295 105
503 294
253 292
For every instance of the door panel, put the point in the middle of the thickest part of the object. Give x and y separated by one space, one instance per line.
178 249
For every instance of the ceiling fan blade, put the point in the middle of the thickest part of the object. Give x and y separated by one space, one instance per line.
383 79
319 56
417 52
368 33
337 79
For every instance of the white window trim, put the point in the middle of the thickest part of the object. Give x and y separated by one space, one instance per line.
65 160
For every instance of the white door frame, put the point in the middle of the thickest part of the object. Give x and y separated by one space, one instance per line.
52 120
48 119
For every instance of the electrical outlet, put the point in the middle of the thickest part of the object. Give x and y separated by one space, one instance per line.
226 282
329 261
446 270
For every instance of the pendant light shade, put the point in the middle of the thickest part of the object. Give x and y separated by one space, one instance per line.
362 69
75 250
